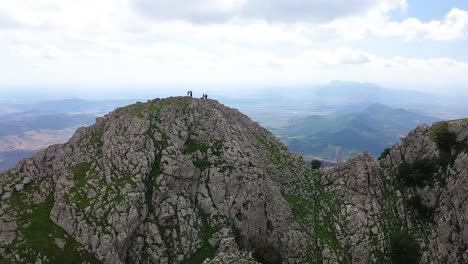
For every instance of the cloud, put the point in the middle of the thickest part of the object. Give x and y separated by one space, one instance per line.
222 41
454 26
7 22
216 11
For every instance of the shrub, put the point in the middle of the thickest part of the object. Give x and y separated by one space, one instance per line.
404 248
423 211
385 153
267 254
441 135
419 173
316 164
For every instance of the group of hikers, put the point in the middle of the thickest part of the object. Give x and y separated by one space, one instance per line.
190 93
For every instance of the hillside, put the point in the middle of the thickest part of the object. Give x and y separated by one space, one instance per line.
338 137
184 180
154 183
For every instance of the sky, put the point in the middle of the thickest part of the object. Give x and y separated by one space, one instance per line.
417 44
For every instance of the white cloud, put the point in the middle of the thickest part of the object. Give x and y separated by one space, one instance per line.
109 41
454 26
270 10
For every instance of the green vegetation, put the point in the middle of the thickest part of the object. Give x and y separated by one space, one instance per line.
79 174
80 178
96 138
341 136
201 164
417 174
423 211
217 147
316 164
266 253
276 156
150 111
404 248
385 153
186 106
445 141
441 135
39 233
319 215
192 146
206 251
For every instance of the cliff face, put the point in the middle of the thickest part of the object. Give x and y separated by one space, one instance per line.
184 180
414 199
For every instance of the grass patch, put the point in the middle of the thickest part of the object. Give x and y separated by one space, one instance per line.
186 106
276 156
318 215
301 208
206 251
79 174
192 146
80 178
96 138
150 111
39 234
151 184
201 164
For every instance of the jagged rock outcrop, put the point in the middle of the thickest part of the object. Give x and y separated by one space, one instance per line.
184 180
152 183
417 193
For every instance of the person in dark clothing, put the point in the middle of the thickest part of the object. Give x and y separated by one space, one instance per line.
191 93
206 96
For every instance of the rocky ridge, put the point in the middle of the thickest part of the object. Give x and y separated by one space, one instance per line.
184 180
154 183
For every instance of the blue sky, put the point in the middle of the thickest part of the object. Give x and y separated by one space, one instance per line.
92 44
427 10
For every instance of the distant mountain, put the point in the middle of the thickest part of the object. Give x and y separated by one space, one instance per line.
71 106
20 126
338 137
25 129
9 159
368 93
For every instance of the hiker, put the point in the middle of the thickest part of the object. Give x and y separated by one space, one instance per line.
203 96
188 93
206 96
191 94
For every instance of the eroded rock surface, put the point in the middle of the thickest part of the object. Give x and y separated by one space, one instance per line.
152 183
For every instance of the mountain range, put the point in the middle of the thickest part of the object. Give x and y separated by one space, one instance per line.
340 136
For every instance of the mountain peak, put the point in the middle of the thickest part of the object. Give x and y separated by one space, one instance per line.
183 180
154 181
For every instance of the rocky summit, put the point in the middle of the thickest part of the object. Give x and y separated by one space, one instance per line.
183 180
